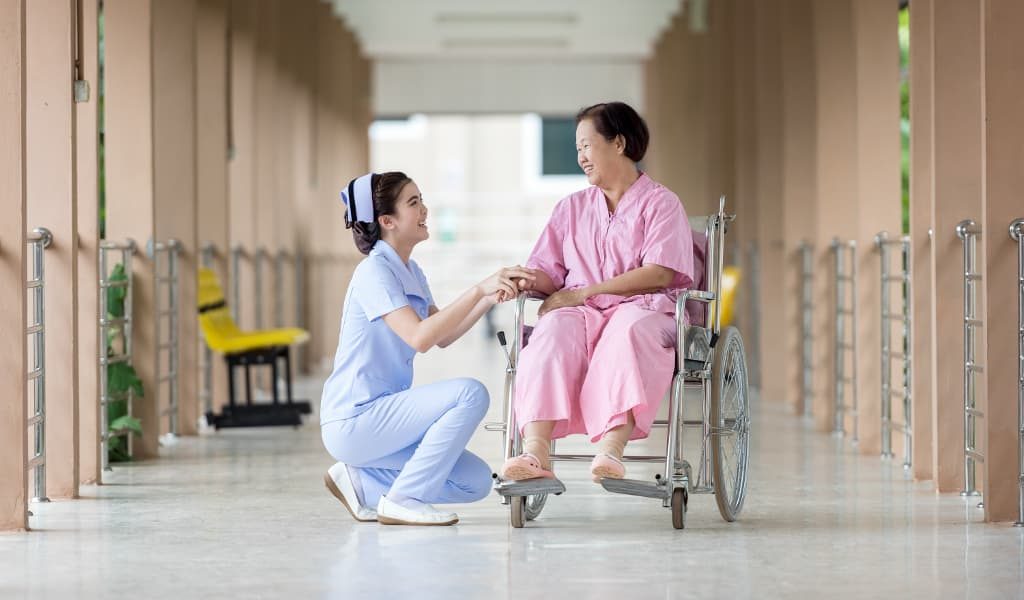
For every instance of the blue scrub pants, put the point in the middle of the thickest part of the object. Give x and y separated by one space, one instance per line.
413 443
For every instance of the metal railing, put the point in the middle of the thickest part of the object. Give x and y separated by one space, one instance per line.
1017 234
754 356
237 252
807 325
258 258
968 232
109 327
885 244
38 241
168 280
207 253
300 306
279 261
846 306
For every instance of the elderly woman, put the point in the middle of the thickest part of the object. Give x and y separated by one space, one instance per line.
611 261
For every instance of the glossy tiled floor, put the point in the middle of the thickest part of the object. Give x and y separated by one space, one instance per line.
244 514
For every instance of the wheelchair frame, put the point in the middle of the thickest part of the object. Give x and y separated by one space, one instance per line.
721 370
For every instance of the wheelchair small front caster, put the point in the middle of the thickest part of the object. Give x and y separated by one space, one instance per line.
518 511
679 500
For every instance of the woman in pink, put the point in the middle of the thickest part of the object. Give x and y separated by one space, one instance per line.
612 261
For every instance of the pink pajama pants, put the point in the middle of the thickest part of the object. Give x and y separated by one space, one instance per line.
586 369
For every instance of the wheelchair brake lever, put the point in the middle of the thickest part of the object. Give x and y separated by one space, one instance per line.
504 347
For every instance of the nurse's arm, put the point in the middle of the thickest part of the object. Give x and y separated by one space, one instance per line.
424 334
643 280
474 315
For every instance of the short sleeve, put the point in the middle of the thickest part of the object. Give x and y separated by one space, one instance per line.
547 253
377 290
668 240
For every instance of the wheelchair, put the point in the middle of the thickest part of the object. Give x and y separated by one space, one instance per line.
706 357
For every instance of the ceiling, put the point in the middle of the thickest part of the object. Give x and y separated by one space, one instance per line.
488 29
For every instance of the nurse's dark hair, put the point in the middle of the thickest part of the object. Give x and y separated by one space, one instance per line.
386 187
612 119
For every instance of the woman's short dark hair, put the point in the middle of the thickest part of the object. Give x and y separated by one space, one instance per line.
386 187
612 119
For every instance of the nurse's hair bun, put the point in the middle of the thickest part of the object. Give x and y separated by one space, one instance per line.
612 119
385 189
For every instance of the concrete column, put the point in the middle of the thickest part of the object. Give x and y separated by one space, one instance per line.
86 145
128 106
799 179
174 155
52 191
242 166
1004 155
212 198
268 111
837 192
720 98
878 194
744 231
922 223
771 216
13 411
959 171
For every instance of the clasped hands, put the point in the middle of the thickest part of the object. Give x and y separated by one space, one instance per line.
506 284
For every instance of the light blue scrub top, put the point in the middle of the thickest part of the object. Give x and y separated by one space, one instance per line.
372 361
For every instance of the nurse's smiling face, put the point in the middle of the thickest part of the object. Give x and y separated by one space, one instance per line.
408 225
598 157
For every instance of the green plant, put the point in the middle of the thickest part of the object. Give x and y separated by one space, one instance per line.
123 382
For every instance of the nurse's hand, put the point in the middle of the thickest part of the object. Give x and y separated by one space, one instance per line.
563 299
502 284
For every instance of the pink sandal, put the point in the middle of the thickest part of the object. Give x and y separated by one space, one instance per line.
607 466
524 466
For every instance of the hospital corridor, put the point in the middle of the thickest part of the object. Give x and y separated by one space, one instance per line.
464 299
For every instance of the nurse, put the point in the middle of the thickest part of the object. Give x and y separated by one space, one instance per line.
612 260
401 449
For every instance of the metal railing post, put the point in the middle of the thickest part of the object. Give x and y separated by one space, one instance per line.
884 244
208 253
807 325
843 293
170 249
236 270
300 306
279 259
1017 234
754 356
968 232
257 260
127 250
38 241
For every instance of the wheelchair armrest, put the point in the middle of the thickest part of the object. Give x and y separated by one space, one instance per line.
682 327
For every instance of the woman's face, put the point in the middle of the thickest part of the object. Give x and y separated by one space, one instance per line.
597 156
409 223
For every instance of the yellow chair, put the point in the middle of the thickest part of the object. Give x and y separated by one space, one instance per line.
245 349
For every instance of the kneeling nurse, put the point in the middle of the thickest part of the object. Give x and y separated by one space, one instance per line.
401 449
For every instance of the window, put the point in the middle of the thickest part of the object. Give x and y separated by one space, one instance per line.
558 148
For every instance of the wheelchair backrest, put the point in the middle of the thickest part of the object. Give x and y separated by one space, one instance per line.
708 254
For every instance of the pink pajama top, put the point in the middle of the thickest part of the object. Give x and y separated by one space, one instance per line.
583 244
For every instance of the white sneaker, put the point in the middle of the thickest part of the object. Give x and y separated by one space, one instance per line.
339 483
390 513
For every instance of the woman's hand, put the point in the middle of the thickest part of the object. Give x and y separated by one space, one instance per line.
563 299
505 283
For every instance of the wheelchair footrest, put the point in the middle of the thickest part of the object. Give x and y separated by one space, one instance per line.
528 487
636 487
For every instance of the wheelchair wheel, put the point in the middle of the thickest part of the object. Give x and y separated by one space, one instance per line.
535 504
679 501
518 511
730 422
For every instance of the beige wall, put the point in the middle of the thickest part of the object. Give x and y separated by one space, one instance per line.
13 413
86 140
1004 179
52 192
